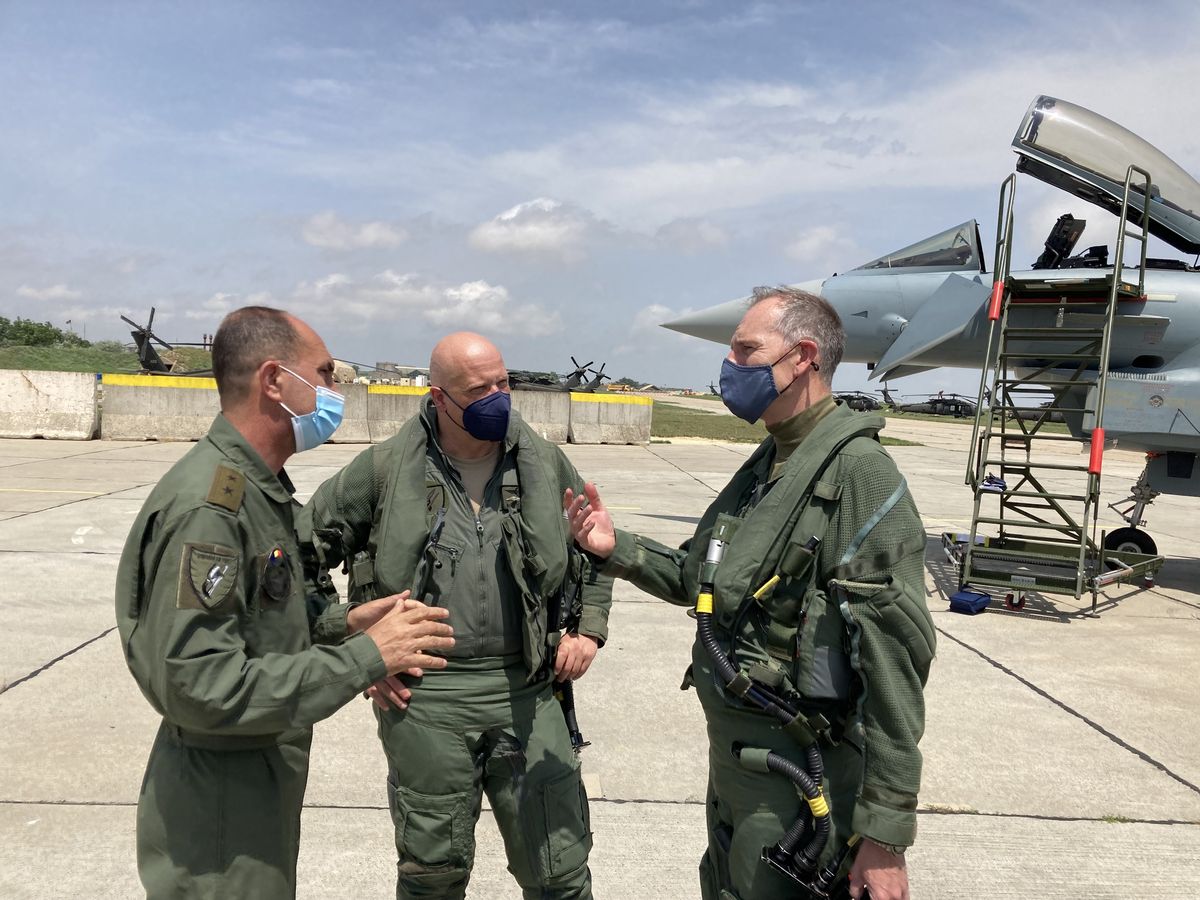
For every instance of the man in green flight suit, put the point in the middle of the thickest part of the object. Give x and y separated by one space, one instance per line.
463 507
817 598
226 642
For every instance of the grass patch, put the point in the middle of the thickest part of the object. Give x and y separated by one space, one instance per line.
1115 820
671 420
92 359
67 359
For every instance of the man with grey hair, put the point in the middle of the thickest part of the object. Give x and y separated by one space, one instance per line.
813 637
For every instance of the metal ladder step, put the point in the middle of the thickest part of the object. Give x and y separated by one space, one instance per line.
1049 333
1047 526
1054 356
1077 498
1016 436
1029 464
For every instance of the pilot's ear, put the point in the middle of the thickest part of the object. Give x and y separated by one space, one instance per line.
268 378
808 353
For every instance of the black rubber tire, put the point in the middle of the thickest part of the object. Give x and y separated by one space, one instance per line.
1130 539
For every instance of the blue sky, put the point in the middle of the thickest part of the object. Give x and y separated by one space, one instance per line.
562 177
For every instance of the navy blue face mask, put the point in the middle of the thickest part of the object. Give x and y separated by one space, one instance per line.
747 391
487 418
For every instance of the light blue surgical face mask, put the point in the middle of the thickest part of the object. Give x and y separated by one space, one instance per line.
315 428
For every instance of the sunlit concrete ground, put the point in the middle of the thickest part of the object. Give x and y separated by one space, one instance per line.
1060 754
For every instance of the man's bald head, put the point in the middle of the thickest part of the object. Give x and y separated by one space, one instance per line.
463 361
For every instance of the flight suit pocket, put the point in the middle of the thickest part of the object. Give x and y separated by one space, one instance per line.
431 829
567 823
823 671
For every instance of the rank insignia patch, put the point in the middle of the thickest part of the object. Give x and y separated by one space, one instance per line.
208 574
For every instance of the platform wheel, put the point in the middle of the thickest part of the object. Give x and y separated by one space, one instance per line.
1015 603
1130 540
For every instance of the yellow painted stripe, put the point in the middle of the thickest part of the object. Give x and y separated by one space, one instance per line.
578 397
46 491
404 389
171 381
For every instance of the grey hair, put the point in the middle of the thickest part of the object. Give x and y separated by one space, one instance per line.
803 315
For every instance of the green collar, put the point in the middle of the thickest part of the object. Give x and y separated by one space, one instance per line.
789 433
245 458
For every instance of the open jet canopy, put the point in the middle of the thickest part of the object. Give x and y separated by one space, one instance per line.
1087 155
956 249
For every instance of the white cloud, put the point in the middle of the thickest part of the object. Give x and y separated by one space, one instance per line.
220 303
754 143
542 226
392 296
822 247
479 306
329 231
52 293
646 340
693 235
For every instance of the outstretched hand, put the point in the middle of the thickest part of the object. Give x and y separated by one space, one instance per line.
591 525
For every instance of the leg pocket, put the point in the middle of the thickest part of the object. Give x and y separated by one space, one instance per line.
433 831
567 823
714 865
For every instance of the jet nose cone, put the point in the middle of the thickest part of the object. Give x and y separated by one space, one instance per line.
717 323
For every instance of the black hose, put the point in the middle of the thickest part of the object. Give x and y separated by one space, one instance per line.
806 857
759 696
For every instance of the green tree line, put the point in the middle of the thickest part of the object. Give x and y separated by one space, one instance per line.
28 333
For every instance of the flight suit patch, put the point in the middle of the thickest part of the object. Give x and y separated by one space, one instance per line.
277 576
208 575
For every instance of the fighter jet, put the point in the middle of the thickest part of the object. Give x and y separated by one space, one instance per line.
926 305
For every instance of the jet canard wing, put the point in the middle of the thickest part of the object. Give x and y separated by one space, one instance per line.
943 317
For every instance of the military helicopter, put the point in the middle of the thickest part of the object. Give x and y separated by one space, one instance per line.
859 401
940 404
524 380
151 362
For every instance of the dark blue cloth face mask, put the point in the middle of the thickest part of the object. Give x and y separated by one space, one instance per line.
747 391
487 418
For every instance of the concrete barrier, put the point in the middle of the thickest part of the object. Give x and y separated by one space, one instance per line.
157 407
548 413
610 419
57 405
391 405
170 408
356 426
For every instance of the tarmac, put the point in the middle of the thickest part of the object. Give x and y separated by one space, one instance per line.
1060 750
